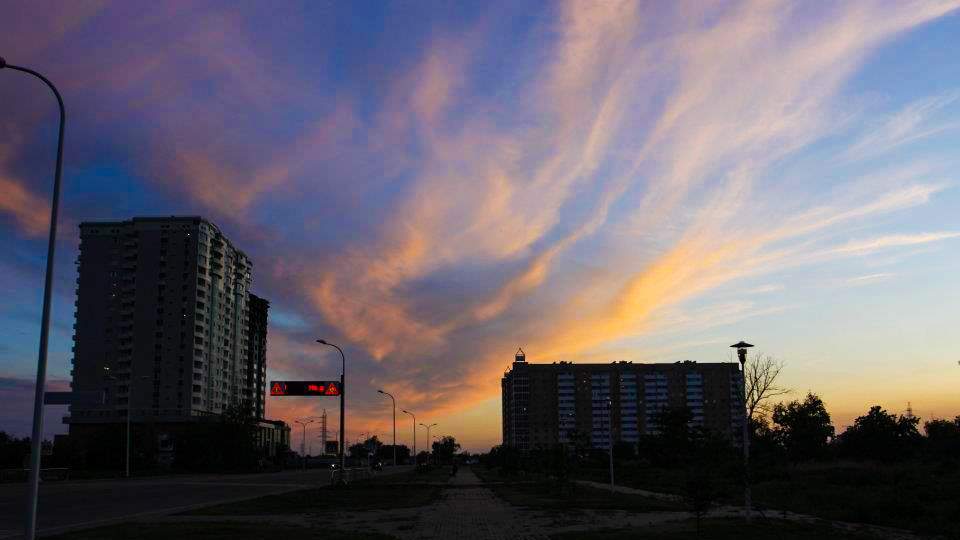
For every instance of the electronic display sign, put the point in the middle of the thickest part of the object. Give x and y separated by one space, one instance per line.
305 388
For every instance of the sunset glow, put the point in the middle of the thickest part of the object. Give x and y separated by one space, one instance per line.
433 185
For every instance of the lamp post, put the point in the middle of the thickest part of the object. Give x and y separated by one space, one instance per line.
394 424
610 437
126 461
742 347
429 440
414 434
303 440
343 400
30 524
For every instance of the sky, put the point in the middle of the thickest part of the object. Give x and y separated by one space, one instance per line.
432 185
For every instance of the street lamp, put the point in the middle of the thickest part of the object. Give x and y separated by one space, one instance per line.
129 414
37 434
394 425
610 437
429 440
303 440
343 399
742 347
414 434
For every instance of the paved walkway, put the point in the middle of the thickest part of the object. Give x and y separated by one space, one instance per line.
473 514
469 510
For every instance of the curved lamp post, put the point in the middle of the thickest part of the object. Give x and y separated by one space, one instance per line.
742 347
303 440
343 400
429 440
37 433
414 434
394 424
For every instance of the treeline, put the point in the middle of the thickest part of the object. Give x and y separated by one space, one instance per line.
13 451
801 430
797 431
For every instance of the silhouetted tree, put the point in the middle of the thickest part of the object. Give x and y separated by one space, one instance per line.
224 443
880 435
701 491
943 438
385 453
762 372
13 451
803 428
445 448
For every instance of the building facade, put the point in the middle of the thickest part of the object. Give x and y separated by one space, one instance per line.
257 354
547 404
166 327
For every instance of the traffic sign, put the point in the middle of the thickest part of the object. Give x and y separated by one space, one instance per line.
305 388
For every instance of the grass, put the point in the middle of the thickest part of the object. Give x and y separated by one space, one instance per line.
916 496
716 529
354 497
534 491
213 531
402 490
553 496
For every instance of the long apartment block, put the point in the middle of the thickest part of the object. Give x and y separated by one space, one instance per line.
548 404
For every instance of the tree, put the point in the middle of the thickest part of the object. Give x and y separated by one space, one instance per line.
445 448
803 428
943 438
762 372
13 451
880 435
385 453
225 442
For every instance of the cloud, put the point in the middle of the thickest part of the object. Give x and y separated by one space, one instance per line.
867 246
868 279
917 120
445 198
29 212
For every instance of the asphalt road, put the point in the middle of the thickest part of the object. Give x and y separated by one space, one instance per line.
87 503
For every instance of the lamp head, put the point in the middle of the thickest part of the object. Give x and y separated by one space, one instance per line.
380 391
742 351
322 341
3 62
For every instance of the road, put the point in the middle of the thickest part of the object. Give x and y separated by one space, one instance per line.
86 503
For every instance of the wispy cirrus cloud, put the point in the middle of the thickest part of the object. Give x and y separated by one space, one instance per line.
868 279
432 210
916 121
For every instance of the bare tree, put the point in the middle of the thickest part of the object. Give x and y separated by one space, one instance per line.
761 376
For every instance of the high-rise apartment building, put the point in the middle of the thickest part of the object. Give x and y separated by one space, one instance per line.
547 404
257 353
166 326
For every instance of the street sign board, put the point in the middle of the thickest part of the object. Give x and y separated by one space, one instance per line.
332 447
93 397
305 388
